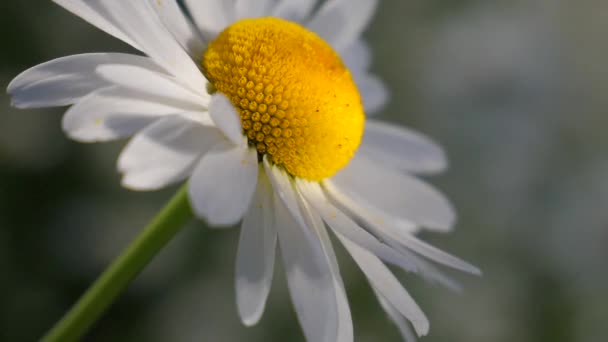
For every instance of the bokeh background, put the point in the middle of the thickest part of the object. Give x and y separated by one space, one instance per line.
516 92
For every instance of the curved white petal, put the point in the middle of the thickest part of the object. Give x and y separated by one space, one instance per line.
183 31
430 272
342 224
165 152
395 193
374 93
226 118
341 22
293 10
357 56
401 148
404 327
313 220
256 253
142 24
95 13
112 113
66 80
309 275
390 231
412 243
400 236
222 184
387 285
252 8
283 188
155 84
365 211
211 16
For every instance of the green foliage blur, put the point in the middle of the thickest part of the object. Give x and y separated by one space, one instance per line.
514 90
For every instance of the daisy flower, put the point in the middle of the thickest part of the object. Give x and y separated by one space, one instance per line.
259 105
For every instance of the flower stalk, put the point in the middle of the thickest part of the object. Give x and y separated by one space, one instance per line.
113 281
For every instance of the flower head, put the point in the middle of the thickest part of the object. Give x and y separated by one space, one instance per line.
260 105
297 101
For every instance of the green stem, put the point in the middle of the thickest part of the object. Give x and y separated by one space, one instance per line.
122 271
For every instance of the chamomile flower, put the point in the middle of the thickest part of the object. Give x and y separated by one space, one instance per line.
259 105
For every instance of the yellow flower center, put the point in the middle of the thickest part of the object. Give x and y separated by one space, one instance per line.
298 103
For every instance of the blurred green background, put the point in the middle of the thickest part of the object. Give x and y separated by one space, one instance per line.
514 90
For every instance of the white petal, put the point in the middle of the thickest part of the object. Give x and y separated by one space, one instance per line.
395 193
341 22
155 84
183 31
211 16
401 148
309 276
140 21
293 10
357 56
95 13
404 327
223 183
342 224
431 273
400 236
226 118
164 152
387 285
252 8
112 113
411 242
401 196
256 253
365 211
374 93
283 188
383 226
64 81
313 220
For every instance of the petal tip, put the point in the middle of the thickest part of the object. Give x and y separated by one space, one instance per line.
225 117
250 319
